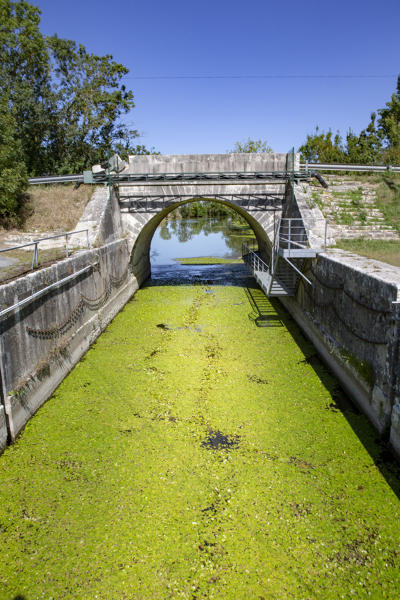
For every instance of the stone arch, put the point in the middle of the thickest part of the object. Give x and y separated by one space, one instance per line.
140 253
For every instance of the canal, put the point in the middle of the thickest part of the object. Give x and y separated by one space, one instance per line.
199 450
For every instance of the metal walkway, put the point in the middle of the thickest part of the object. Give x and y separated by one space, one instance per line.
280 277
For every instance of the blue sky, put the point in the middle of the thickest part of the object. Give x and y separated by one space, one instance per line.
252 37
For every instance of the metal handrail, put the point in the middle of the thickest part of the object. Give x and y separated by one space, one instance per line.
343 167
256 263
45 290
35 243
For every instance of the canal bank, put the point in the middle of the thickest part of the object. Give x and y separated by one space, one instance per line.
199 450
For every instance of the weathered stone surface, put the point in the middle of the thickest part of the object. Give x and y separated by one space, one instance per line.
3 429
42 341
395 429
197 163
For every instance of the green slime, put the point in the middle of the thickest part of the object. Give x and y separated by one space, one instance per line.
116 491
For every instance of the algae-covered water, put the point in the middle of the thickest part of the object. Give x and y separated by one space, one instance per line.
199 450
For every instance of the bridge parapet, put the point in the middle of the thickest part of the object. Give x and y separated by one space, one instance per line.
209 163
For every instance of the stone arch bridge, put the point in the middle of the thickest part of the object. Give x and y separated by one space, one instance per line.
260 187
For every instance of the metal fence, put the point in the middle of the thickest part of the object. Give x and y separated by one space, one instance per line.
307 167
35 244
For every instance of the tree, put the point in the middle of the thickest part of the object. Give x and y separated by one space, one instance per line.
320 147
250 145
13 175
389 125
69 104
24 72
89 101
367 147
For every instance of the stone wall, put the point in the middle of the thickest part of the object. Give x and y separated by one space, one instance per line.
350 313
41 341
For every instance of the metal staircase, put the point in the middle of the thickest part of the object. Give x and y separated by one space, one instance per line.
280 277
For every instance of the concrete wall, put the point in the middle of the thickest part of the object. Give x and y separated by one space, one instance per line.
351 314
212 163
102 217
43 340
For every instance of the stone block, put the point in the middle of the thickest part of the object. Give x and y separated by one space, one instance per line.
395 429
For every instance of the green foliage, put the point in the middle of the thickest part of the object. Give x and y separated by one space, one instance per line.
383 250
367 147
205 216
389 123
88 102
250 145
321 147
378 143
388 200
67 104
13 175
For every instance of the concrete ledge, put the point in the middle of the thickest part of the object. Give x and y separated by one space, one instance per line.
50 344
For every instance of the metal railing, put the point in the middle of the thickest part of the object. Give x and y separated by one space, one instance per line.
46 179
290 173
46 289
253 260
35 244
292 232
307 166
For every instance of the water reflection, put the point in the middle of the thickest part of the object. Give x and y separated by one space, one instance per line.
199 237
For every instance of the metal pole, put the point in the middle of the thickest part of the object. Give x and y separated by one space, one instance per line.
290 233
87 238
325 235
35 257
66 245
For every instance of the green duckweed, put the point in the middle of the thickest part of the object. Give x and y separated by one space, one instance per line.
199 450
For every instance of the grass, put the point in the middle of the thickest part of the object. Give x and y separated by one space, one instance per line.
208 260
55 208
317 200
384 250
388 200
192 454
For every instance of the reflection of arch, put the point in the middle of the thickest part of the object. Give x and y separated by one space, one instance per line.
140 256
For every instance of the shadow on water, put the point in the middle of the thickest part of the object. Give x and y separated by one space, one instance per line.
377 448
263 313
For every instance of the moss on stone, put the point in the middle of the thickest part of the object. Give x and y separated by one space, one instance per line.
362 367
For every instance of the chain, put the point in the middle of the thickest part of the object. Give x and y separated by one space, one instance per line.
77 312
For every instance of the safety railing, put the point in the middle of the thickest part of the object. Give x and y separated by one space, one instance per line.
46 289
252 259
35 244
293 234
